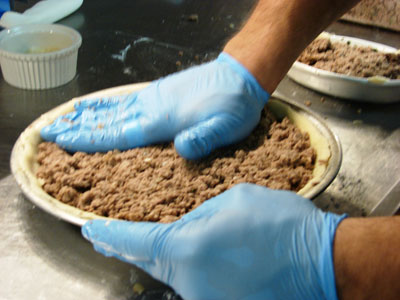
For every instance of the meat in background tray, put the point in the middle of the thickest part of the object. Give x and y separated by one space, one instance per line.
374 88
381 13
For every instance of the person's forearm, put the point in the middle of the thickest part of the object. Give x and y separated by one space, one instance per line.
367 258
278 31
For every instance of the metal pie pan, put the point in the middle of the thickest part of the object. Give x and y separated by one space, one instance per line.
24 164
375 89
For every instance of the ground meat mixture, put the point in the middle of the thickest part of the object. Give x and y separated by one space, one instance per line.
156 184
348 59
382 13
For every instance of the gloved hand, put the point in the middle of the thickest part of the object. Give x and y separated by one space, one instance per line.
201 109
249 242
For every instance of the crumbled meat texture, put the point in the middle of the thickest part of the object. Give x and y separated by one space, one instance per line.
351 60
383 13
155 184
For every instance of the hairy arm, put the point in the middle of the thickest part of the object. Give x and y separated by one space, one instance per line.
278 31
366 258
366 250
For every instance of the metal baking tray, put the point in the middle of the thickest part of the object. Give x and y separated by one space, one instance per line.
375 89
24 165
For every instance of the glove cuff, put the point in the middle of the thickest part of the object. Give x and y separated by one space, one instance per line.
326 269
262 94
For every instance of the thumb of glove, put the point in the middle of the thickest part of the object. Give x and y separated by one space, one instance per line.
134 243
203 138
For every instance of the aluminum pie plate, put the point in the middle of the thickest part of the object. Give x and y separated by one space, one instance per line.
375 89
24 164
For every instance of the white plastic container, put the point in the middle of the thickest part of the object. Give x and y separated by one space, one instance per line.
39 56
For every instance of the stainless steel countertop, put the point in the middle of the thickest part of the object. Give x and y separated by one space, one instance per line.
45 258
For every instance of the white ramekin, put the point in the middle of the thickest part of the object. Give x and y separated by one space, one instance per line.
39 56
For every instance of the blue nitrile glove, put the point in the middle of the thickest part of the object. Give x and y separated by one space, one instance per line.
249 242
200 109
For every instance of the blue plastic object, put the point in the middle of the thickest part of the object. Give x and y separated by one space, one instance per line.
4 6
200 109
249 242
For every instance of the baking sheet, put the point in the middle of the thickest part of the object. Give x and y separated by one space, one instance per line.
374 89
24 165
